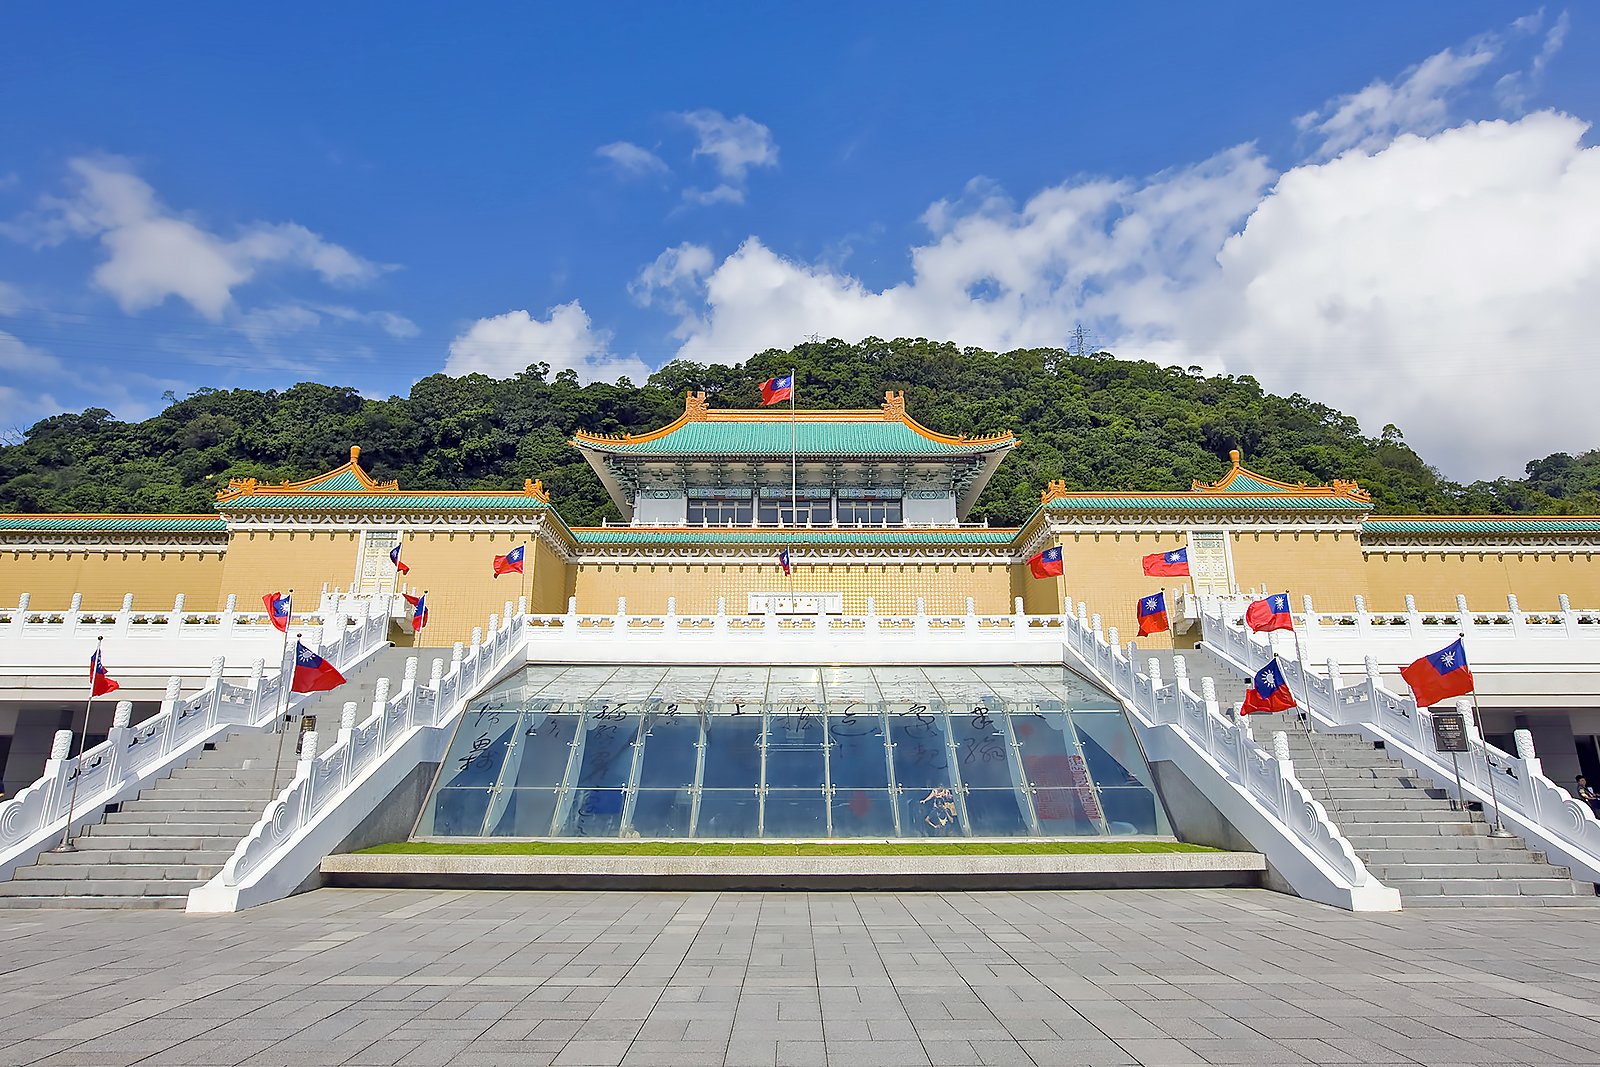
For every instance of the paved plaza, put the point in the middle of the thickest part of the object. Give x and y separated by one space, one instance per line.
854 979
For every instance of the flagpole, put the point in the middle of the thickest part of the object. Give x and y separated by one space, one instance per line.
1305 718
1488 768
417 634
284 681
794 480
77 770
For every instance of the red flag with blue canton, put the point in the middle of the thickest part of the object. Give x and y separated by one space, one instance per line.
774 390
312 673
1440 676
1153 614
1269 614
509 563
1268 691
100 683
394 557
1048 562
419 611
1174 564
278 609
783 561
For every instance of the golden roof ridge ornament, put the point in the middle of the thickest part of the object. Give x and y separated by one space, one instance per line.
255 487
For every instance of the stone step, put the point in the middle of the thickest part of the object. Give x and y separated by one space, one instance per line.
154 842
187 815
200 794
1378 800
161 805
1388 873
1425 841
167 830
130 903
1497 900
1386 775
87 856
97 887
117 872
217 777
1477 887
1381 857
1356 814
1376 833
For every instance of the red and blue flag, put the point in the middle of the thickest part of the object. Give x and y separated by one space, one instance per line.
509 563
1268 691
1271 613
1440 675
774 390
1153 614
419 611
1174 564
312 673
783 561
100 683
278 610
1046 563
394 557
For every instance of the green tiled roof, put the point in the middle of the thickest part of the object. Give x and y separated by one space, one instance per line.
1277 501
1243 481
343 482
643 536
113 524
1470 525
770 438
363 501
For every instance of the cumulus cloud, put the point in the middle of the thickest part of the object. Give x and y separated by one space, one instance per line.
630 160
505 345
1442 280
733 146
152 253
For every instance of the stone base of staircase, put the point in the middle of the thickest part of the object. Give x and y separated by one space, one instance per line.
1411 837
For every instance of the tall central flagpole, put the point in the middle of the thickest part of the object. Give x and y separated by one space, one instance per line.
794 479
77 769
284 681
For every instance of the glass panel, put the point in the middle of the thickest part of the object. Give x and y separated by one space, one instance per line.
527 813
662 812
996 813
733 755
1049 750
455 813
607 749
857 757
929 813
539 755
921 757
728 813
670 751
1067 812
795 813
859 813
478 749
981 750
594 813
1132 810
794 750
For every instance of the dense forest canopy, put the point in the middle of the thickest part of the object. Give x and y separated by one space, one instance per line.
1094 420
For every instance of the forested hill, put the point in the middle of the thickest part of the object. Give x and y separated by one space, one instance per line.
1098 422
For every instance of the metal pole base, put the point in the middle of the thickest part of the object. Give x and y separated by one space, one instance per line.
1500 831
65 846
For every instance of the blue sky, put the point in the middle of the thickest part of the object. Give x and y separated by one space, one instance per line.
1332 199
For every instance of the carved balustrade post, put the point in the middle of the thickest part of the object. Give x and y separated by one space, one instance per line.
169 707
303 769
258 672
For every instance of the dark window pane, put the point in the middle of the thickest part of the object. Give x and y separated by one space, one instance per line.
527 813
862 813
595 813
543 746
670 751
795 813
662 812
929 813
794 750
921 758
996 813
733 756
455 813
607 749
728 813
857 757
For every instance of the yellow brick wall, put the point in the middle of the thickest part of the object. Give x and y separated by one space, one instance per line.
1040 596
260 562
894 586
1326 566
1485 579
550 582
1103 570
154 579
457 572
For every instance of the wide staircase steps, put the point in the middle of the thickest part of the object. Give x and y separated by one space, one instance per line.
1410 837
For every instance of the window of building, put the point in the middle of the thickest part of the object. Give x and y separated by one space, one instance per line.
776 512
878 511
720 511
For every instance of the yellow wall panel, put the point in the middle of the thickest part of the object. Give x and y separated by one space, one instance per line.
259 563
1319 564
154 578
1485 579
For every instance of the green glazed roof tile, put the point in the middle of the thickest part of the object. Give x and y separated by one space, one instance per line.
1277 501
385 501
821 438
344 481
1479 525
113 524
643 536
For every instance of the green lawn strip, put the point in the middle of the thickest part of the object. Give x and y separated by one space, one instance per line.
778 848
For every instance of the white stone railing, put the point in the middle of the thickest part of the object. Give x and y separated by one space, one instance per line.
1530 804
332 791
725 638
1256 790
132 756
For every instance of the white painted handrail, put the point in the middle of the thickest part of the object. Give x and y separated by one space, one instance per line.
132 756
1299 839
1533 806
323 781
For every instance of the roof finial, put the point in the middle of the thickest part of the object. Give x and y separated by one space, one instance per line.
355 453
894 405
695 407
1233 454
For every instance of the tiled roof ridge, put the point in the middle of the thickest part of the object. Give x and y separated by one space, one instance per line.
355 482
1238 483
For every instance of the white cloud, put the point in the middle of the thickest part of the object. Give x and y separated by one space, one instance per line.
1417 104
1515 88
1443 281
152 253
631 160
12 301
505 345
734 146
18 358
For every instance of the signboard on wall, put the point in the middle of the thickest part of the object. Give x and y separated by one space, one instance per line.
1450 732
797 603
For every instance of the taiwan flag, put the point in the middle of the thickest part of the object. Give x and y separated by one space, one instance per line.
1047 563
776 390
509 563
1440 676
783 561
1174 564
1269 614
100 683
1268 692
394 557
419 611
312 673
278 610
1153 614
